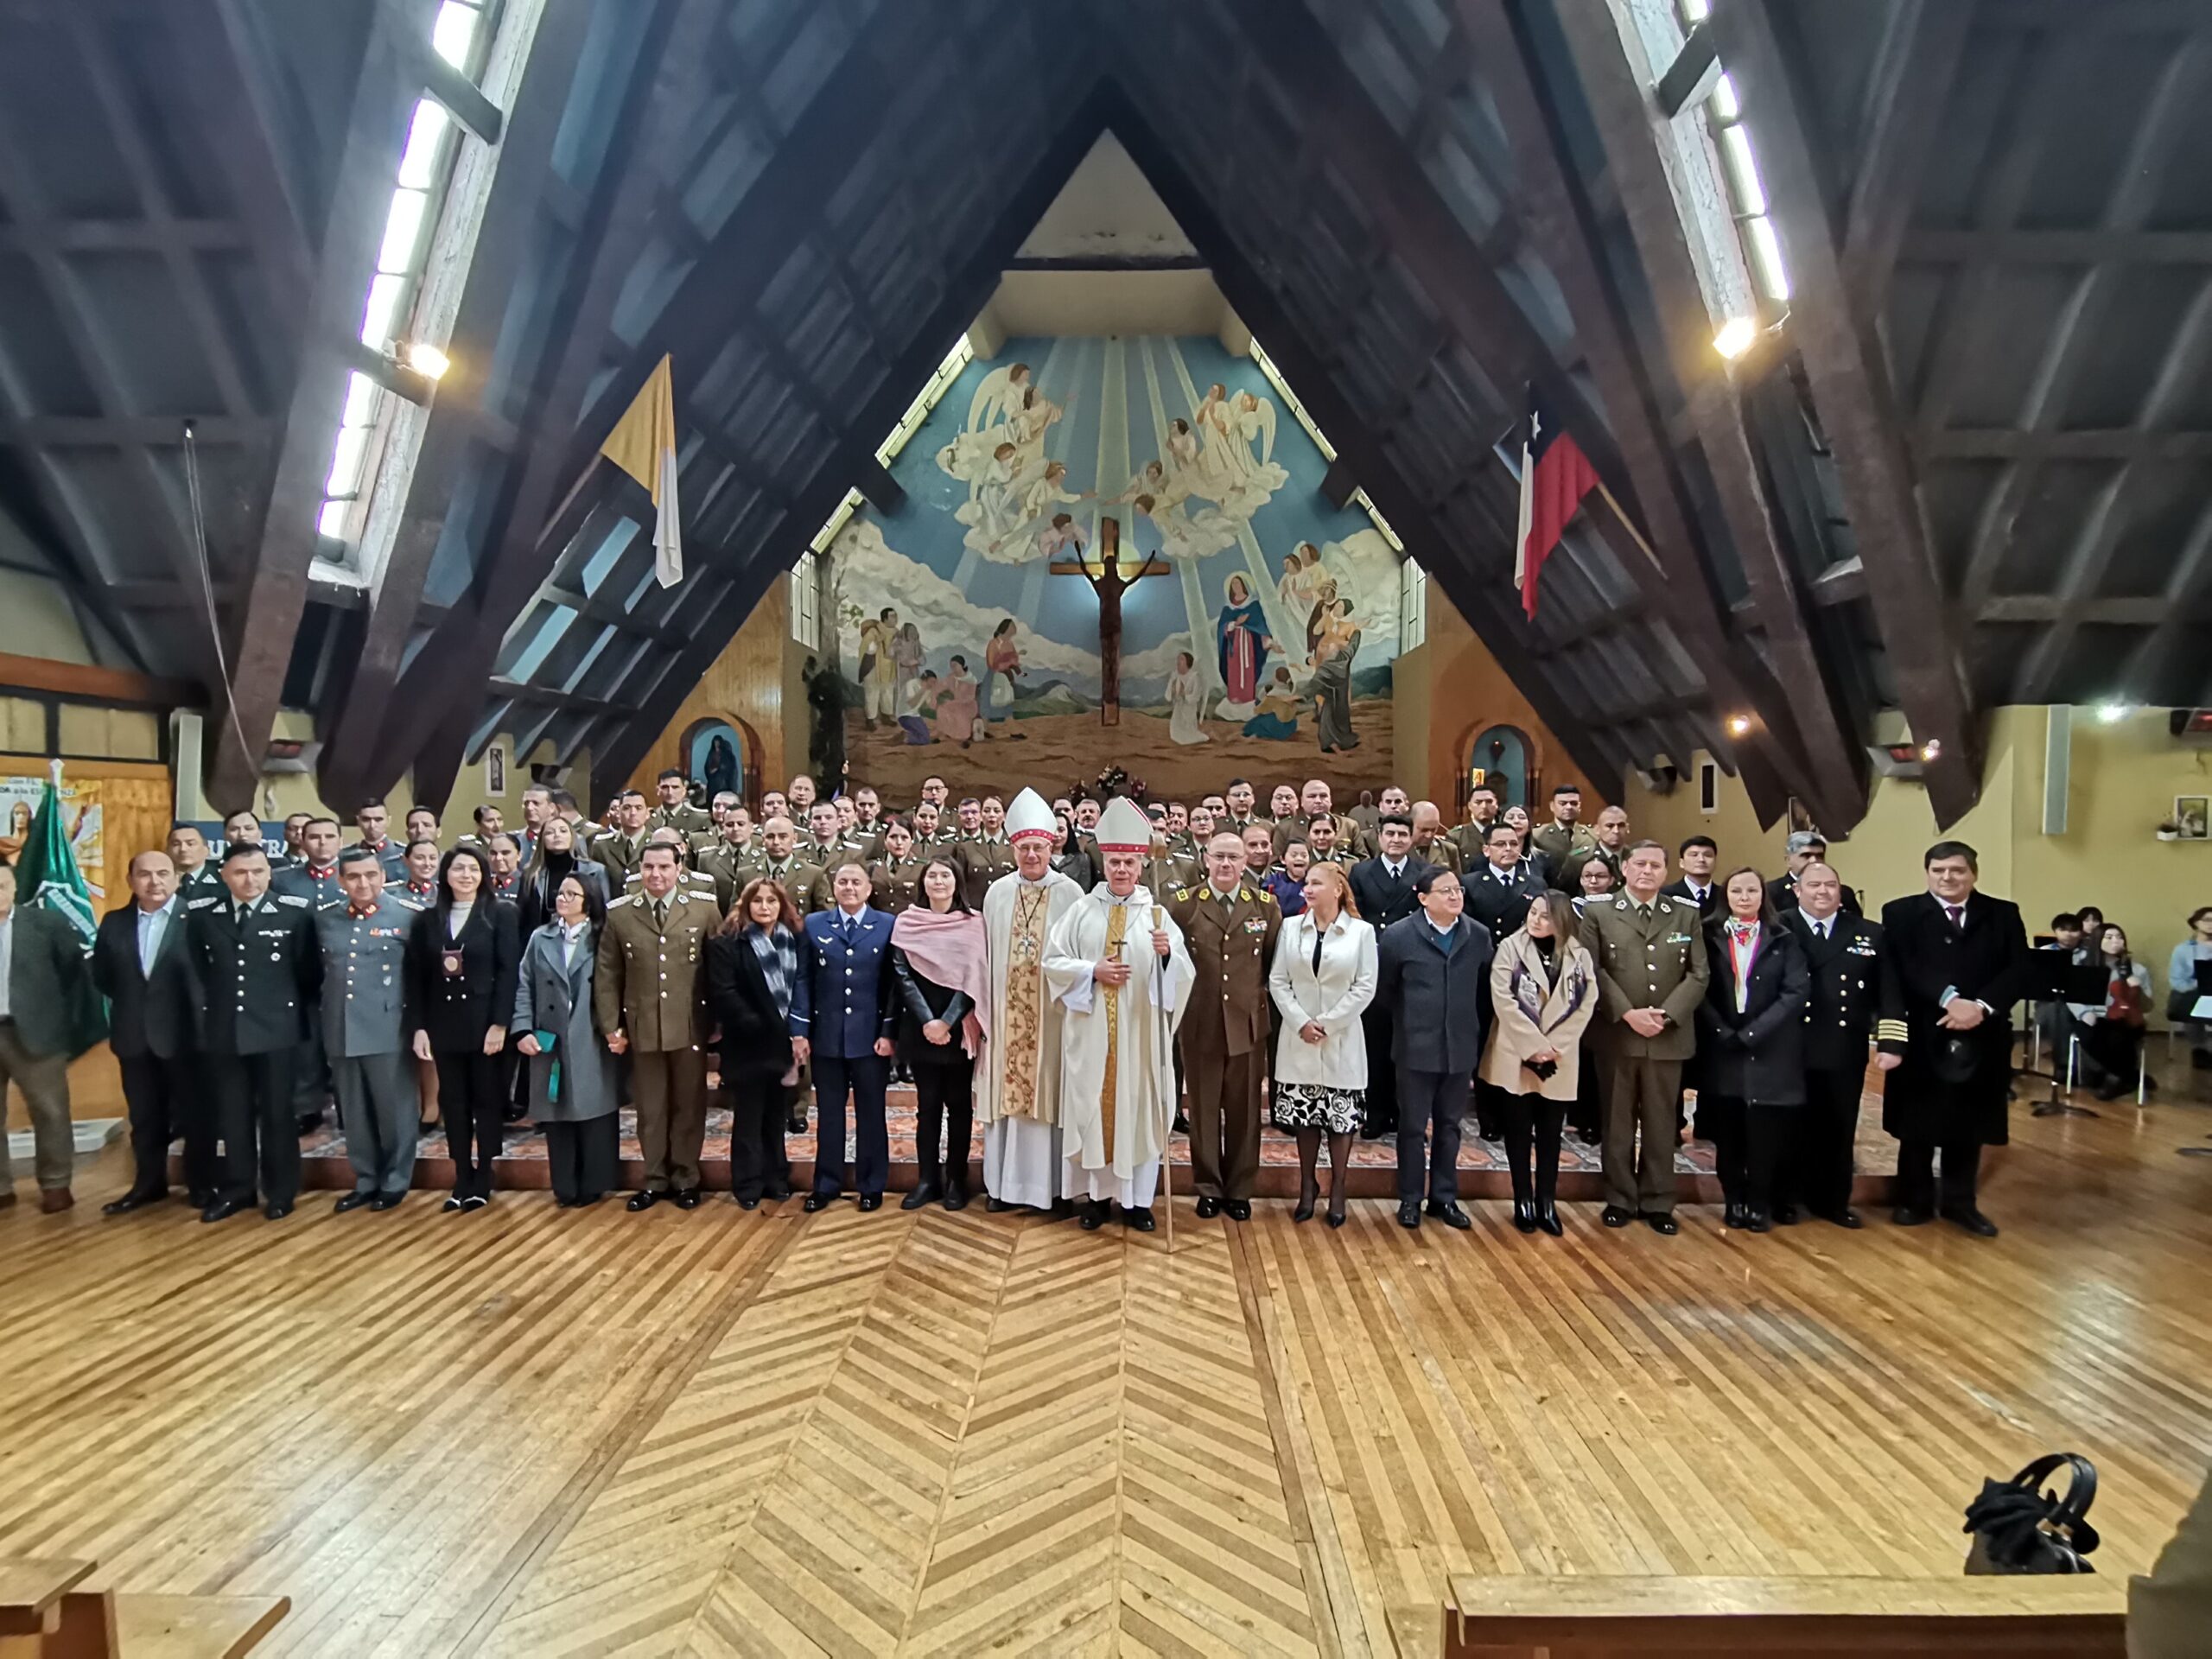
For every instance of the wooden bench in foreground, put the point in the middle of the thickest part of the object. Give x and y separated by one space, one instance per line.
44 1615
1525 1618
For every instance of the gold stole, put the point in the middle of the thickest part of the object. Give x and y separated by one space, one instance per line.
1117 923
1024 1000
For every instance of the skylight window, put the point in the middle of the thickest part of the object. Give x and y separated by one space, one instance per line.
1739 173
462 36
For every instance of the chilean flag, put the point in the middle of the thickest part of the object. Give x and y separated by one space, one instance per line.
1554 477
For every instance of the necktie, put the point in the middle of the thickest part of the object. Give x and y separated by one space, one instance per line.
849 931
660 912
1956 913
1317 953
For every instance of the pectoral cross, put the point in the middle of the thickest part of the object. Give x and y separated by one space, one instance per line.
1111 583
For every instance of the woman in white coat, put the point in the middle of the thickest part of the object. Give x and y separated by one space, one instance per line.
1323 978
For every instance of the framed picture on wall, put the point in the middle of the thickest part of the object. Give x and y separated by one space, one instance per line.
2193 818
495 770
1708 786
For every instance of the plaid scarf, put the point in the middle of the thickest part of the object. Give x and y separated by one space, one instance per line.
778 953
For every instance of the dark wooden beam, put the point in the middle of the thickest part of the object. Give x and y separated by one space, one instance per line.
874 481
126 236
2113 443
463 97
1634 138
550 696
1689 78
1849 379
261 641
1903 111
436 446
1476 597
1944 246
134 431
1337 484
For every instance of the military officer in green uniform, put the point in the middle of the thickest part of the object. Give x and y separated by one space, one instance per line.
726 858
986 855
1611 839
779 864
618 850
1431 844
1471 836
1649 951
651 997
674 810
1229 922
896 877
701 882
1563 838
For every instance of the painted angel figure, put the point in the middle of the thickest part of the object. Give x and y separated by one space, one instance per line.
1000 394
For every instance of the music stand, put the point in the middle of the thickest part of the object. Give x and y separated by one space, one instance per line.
2054 976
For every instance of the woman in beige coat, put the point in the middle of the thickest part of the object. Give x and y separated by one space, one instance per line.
1543 990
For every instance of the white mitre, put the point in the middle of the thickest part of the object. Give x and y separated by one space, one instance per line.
1123 828
1028 815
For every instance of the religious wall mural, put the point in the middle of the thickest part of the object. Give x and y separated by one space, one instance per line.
1115 552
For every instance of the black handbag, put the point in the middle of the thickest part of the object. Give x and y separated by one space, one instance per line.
2019 1528
2179 1001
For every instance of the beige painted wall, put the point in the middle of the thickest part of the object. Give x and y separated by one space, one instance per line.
36 619
2123 782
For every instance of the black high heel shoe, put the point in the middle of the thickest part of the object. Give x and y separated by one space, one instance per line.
1335 1217
1307 1192
1524 1215
1547 1218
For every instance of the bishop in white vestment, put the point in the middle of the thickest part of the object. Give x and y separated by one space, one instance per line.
1117 965
1018 1083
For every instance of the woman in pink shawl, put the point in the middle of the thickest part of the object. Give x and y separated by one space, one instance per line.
937 951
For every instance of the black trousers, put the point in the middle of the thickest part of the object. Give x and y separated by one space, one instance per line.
1381 1114
164 1098
944 1099
760 1113
584 1157
863 1077
470 1096
1753 1147
1916 1188
252 1101
1827 1145
1425 1098
1532 1126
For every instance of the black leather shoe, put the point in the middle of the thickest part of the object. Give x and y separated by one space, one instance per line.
129 1201
1095 1214
200 1199
1784 1215
1731 1214
1138 1221
1973 1221
1209 1208
1410 1214
1758 1221
818 1201
1524 1215
1616 1216
1663 1225
955 1196
351 1201
925 1194
278 1211
685 1197
746 1204
1547 1219
223 1209
1237 1209
644 1200
1847 1218
1335 1217
778 1191
455 1204
1906 1216
995 1205
1451 1214
871 1201
387 1201
1305 1198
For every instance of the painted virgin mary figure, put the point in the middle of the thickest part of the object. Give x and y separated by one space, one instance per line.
1240 635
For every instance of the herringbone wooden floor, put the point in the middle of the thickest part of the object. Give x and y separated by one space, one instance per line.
530 1433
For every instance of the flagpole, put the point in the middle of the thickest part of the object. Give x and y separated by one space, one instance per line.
1167 1040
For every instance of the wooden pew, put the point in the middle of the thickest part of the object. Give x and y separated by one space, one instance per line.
1528 1618
45 1615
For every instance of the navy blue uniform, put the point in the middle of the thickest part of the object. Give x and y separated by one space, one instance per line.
845 1001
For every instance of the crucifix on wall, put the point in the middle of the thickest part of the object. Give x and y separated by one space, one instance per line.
1111 582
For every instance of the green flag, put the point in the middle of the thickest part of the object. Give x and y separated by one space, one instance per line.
46 875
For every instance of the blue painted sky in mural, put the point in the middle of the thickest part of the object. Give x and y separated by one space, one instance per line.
1119 397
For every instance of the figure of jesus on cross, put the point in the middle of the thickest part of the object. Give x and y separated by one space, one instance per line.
1111 582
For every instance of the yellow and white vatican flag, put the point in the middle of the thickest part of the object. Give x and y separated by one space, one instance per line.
643 444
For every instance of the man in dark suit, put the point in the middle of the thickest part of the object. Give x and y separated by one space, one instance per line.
1433 972
1802 847
1696 857
1853 997
843 1009
254 955
142 965
1382 888
42 975
1962 960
